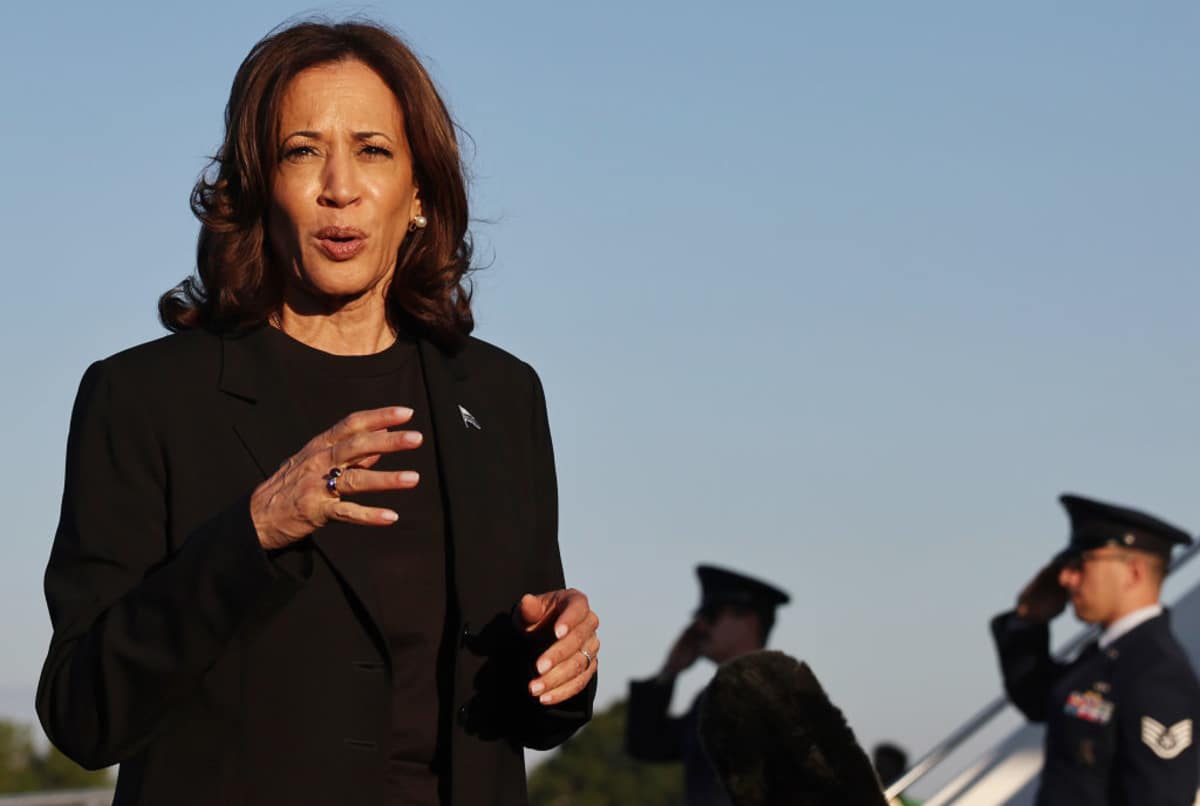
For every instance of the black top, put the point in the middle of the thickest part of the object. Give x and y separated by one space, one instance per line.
408 559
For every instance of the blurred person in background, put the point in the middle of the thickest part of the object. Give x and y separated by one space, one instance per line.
308 544
890 762
774 737
1120 716
735 617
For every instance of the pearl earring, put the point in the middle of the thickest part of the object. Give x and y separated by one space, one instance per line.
418 222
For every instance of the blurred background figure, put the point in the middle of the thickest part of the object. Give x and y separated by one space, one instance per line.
774 737
1119 718
890 762
735 617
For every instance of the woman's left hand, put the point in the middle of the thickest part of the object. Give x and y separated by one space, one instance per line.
567 666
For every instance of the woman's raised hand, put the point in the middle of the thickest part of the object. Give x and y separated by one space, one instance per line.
299 497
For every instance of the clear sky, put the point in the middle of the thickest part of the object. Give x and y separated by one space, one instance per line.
842 295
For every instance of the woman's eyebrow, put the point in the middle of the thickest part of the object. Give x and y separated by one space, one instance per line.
368 135
357 135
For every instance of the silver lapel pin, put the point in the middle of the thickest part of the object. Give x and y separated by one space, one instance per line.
469 420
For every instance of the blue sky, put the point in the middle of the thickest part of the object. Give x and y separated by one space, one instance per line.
841 295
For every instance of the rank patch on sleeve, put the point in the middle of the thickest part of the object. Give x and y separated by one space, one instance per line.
1089 706
1167 742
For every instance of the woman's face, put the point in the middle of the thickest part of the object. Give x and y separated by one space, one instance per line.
343 193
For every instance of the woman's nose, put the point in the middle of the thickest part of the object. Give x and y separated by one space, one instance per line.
339 186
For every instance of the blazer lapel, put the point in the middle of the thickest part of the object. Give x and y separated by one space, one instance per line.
272 430
460 460
270 426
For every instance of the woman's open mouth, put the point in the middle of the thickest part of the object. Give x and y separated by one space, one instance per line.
340 243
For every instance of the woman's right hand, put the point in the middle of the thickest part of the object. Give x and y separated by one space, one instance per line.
295 501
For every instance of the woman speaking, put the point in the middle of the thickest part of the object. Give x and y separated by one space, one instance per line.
307 551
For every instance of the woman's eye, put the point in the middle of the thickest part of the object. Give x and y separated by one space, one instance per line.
298 152
376 151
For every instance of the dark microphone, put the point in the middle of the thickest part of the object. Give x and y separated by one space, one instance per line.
775 738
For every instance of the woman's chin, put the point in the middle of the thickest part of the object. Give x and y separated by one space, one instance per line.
336 288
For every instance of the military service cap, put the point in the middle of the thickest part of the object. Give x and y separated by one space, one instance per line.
1095 524
720 587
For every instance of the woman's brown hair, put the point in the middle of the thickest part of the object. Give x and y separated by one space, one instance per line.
235 284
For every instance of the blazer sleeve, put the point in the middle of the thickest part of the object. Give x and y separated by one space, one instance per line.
544 727
134 627
1029 671
650 733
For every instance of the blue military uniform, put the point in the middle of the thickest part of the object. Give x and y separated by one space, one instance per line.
1119 718
1119 721
653 735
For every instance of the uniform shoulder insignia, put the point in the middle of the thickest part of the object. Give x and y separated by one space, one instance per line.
1167 743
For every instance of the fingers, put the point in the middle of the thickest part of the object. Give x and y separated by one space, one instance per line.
368 461
363 422
564 670
1046 582
350 512
360 480
573 611
567 608
1048 574
532 611
300 496
569 675
1043 598
353 449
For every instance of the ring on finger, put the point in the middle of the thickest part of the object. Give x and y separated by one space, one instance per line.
331 481
588 658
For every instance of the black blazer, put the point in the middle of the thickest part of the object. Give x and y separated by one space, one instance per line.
214 672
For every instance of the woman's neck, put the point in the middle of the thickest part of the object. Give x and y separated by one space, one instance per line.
359 327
